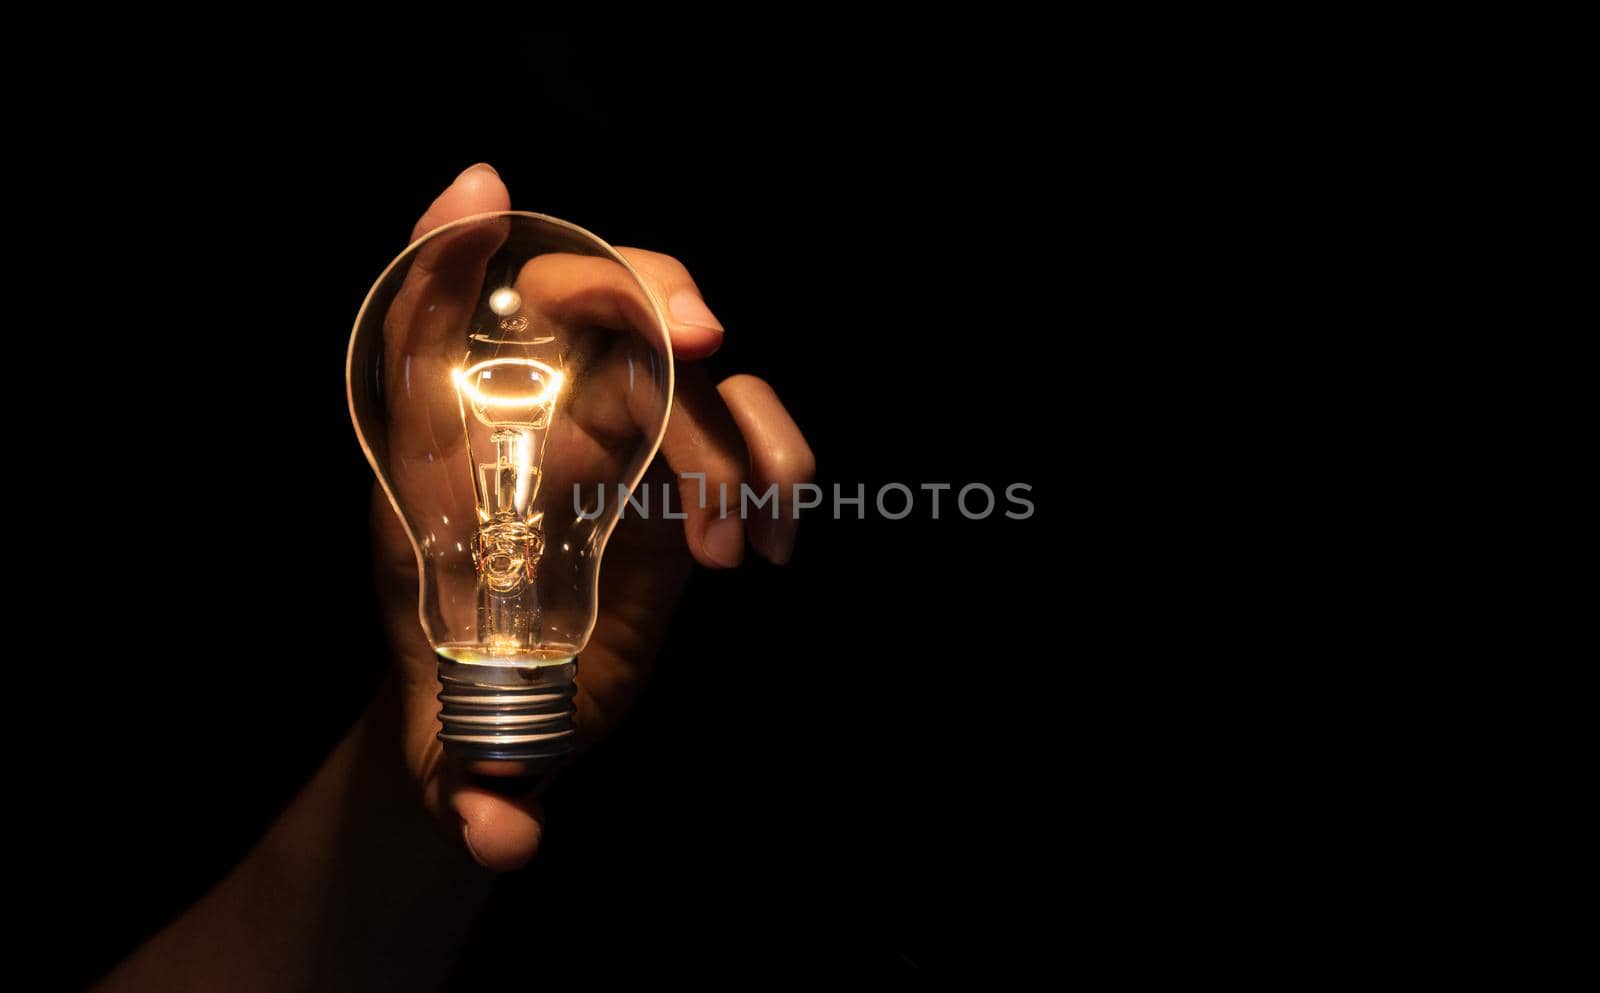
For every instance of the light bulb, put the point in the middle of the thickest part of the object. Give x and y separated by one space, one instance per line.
509 375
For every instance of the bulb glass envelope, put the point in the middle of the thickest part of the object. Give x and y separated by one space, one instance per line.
500 366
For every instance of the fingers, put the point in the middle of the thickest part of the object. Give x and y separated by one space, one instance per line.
769 443
703 439
562 290
502 832
732 434
423 320
478 190
780 459
696 332
567 288
447 273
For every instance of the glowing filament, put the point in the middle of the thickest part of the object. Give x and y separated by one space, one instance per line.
469 381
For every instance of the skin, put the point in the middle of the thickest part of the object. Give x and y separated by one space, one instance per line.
315 905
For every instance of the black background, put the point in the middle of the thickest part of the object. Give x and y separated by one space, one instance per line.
893 755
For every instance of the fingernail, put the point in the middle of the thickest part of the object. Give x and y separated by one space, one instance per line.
466 837
480 165
725 542
774 539
687 308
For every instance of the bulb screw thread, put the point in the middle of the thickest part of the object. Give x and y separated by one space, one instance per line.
505 712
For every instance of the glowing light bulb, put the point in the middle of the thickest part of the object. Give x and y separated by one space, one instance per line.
504 372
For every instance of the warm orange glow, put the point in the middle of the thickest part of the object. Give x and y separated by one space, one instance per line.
466 380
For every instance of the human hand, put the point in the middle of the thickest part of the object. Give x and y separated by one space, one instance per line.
732 432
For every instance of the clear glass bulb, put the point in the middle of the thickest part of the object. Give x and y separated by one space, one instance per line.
507 374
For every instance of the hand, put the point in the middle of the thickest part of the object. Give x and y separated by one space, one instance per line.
733 432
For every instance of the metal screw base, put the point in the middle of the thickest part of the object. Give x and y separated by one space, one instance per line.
506 713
